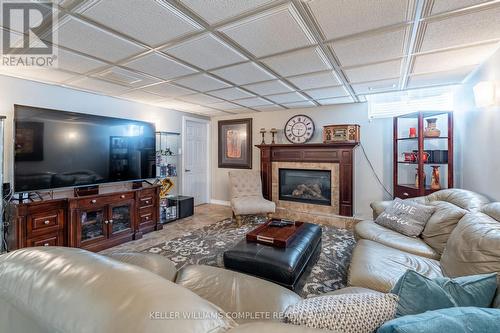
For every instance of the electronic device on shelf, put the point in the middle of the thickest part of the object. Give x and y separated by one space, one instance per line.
341 133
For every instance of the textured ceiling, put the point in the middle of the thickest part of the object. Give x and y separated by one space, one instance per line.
235 56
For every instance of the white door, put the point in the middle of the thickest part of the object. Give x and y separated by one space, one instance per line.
196 161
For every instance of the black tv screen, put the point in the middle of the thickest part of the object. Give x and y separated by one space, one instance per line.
54 149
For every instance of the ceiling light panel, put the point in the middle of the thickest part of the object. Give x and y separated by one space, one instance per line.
202 82
77 63
287 98
231 93
200 99
370 48
380 71
442 61
215 11
81 36
303 104
206 52
342 18
276 30
298 62
98 86
473 27
456 76
317 80
159 66
268 87
168 90
151 22
254 101
125 77
327 92
244 73
441 6
375 86
338 100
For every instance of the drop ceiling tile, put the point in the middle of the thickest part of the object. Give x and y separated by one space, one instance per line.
215 11
472 27
226 106
168 90
49 75
441 6
327 92
150 22
303 104
159 66
447 60
298 62
244 73
342 18
231 93
202 82
254 101
268 87
338 100
200 99
370 48
206 52
272 31
287 98
125 77
141 96
81 36
177 105
380 71
76 63
211 112
375 86
99 86
272 107
243 111
455 76
316 80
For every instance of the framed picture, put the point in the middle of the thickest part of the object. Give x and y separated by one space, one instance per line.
29 141
235 143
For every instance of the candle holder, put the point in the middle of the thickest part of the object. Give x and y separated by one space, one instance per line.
263 132
273 132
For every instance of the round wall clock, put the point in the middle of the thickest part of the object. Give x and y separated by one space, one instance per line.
299 129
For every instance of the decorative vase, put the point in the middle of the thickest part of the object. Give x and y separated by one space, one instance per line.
417 179
431 131
435 184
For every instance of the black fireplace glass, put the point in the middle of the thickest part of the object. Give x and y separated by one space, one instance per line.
307 186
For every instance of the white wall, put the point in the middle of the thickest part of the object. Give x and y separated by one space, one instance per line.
478 134
25 92
376 136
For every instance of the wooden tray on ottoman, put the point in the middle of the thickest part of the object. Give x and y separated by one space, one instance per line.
274 236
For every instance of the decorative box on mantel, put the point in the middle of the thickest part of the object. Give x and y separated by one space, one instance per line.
311 181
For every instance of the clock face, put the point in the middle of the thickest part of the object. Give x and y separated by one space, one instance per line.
299 129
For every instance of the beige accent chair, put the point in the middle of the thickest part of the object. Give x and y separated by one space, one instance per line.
246 195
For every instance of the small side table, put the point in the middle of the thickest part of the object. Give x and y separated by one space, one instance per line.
185 205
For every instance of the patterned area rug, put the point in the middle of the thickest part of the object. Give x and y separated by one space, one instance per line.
206 246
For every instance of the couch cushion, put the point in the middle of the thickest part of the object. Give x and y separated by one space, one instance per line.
236 292
252 205
464 199
372 231
350 290
154 263
473 247
379 267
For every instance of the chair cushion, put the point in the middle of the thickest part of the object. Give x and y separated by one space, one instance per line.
236 292
154 263
473 247
372 231
245 183
252 205
379 267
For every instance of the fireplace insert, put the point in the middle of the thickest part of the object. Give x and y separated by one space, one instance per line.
307 186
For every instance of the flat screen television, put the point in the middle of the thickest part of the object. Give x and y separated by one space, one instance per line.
56 149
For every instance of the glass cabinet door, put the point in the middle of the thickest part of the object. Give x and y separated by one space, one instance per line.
93 224
120 218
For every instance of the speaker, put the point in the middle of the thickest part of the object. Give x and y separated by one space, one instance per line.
185 205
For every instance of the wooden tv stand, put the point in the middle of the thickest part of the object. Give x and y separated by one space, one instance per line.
118 214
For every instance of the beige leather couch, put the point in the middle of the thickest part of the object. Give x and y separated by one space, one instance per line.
461 238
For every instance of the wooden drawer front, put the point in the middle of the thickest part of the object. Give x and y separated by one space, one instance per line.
146 201
146 216
100 201
148 192
45 222
47 240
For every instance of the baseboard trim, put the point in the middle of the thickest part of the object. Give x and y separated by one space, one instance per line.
220 202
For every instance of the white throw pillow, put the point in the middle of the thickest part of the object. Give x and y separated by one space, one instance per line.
347 313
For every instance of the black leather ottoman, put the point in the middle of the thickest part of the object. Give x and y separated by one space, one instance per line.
286 266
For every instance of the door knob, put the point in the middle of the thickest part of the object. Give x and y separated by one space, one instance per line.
187 170
106 222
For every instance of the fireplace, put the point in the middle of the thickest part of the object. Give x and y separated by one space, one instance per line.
304 185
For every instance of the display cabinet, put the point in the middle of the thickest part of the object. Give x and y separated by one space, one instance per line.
423 153
168 154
